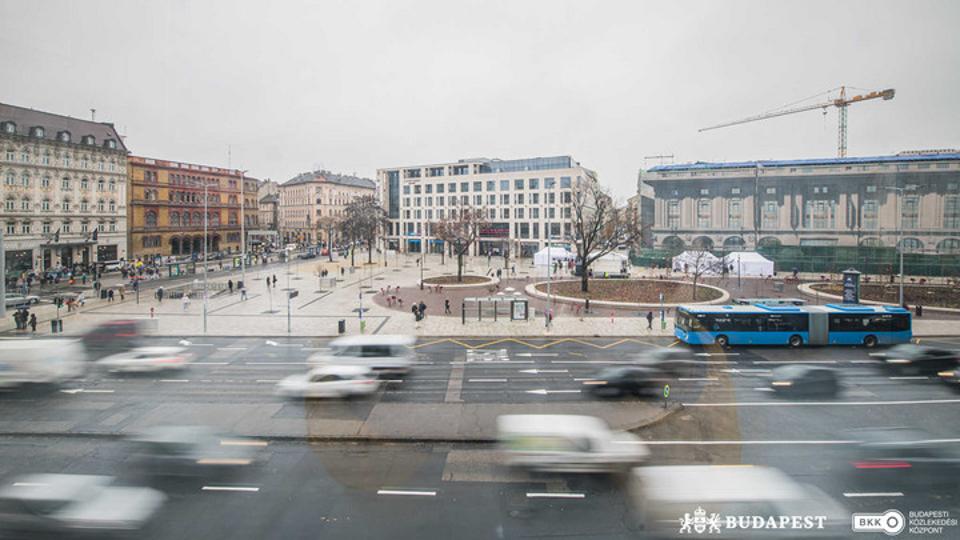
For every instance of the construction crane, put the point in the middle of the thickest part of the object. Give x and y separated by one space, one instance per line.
840 103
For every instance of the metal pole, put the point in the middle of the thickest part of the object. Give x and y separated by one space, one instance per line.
900 237
288 312
3 279
243 230
205 243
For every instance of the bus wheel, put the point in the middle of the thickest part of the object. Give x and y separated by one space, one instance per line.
722 340
796 341
870 342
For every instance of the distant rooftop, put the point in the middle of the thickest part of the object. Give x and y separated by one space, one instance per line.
333 178
24 119
496 165
902 157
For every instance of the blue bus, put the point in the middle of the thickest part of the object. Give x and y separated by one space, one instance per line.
758 324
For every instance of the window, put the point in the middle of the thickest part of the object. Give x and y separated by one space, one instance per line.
735 191
46 158
819 214
174 219
150 219
565 182
100 206
519 198
10 179
673 213
113 226
25 156
703 214
66 227
951 211
25 205
734 214
9 205
25 227
10 154
871 189
84 184
491 185
534 183
551 213
66 205
478 186
416 189
11 227
549 183
771 191
491 199
45 182
567 197
45 205
84 226
83 205
505 198
440 188
518 213
505 213
910 213
770 215
25 179
452 187
534 198
704 191
869 213
65 184
504 185
45 227
534 213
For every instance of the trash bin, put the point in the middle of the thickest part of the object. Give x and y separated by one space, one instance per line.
56 326
341 326
239 285
103 294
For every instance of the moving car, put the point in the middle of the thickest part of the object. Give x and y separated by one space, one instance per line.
330 381
54 503
146 359
567 443
913 359
691 500
808 380
113 337
618 381
194 451
377 352
676 362
896 457
40 361
20 300
951 376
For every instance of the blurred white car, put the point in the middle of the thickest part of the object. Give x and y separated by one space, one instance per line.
379 353
567 443
684 501
144 359
51 503
330 381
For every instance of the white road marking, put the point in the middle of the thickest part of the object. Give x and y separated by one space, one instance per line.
30 484
917 378
529 354
85 391
822 403
536 371
202 345
393 380
231 348
487 380
764 389
558 495
416 493
489 362
271 343
864 361
247 489
737 443
242 442
794 361
276 363
746 370
697 379
585 379
591 362
268 380
717 354
209 363
174 380
544 391
876 494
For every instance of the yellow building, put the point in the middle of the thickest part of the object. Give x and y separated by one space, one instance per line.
166 208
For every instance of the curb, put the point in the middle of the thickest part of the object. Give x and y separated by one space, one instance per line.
532 290
807 289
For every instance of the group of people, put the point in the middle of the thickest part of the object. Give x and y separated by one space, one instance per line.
23 318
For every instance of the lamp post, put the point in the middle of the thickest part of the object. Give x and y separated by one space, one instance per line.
899 191
243 230
206 218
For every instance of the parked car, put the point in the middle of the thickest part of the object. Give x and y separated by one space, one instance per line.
330 381
913 359
19 300
193 451
619 381
55 503
567 443
805 380
684 501
895 457
146 359
380 353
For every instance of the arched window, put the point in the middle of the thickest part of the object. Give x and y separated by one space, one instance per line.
66 204
100 205
25 179
150 219
197 218
84 184
83 205
214 219
113 206
174 219
911 245
25 204
113 185
10 179
186 219
949 246
10 204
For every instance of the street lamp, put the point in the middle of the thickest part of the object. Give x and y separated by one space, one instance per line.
243 231
206 218
899 191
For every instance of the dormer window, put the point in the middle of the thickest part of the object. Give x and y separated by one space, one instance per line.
110 143
63 136
9 127
88 139
37 132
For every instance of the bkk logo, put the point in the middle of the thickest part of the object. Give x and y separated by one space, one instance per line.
890 522
701 522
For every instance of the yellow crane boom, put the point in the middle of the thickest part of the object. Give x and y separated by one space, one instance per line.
841 103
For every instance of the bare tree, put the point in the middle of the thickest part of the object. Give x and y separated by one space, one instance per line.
704 263
600 226
460 229
366 220
329 223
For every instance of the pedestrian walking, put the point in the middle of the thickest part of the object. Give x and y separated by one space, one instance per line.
81 299
120 290
230 285
423 309
110 295
186 301
274 281
649 320
587 305
33 323
919 310
243 293
17 319
446 306
416 312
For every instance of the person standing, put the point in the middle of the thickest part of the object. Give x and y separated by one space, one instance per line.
446 306
274 281
649 320
416 312
120 290
33 323
230 285
159 295
423 309
109 295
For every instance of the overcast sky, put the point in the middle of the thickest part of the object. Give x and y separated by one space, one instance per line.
354 85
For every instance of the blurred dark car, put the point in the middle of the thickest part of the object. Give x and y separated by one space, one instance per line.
890 458
192 451
910 359
673 362
112 337
633 380
951 376
805 380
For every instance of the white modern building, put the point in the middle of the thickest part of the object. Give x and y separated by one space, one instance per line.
64 185
524 200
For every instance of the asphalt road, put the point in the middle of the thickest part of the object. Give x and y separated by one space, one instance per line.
370 490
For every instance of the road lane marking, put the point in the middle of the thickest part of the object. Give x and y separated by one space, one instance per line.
875 494
209 363
393 380
487 380
276 363
545 495
697 379
268 380
717 354
231 348
174 380
794 361
247 489
536 371
412 492
864 361
30 484
821 403
916 378
200 344
528 354
242 442
85 391
764 389
544 391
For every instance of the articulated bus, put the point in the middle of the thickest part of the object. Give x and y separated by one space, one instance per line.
832 324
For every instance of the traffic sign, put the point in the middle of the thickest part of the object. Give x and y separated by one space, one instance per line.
293 294
666 390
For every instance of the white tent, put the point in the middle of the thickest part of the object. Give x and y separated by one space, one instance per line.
748 263
554 254
689 261
611 262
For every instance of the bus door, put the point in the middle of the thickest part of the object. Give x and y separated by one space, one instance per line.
819 328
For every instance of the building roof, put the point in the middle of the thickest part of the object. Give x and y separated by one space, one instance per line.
269 199
903 157
25 119
333 178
